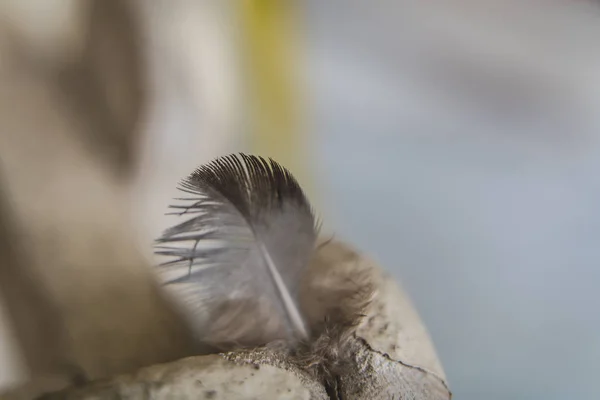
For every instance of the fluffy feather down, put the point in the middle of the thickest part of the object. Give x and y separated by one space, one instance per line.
239 261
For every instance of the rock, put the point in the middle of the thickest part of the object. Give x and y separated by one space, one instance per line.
384 353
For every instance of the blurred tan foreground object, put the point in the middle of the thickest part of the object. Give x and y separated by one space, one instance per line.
72 280
391 354
86 104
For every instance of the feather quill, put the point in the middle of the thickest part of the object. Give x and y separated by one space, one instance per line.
237 263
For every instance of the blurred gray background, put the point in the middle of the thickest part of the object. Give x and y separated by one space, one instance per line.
458 144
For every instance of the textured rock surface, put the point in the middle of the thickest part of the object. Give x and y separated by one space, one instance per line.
391 325
214 377
390 356
376 376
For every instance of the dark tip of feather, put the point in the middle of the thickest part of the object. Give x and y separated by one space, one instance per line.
242 179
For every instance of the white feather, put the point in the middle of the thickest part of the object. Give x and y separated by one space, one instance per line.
239 260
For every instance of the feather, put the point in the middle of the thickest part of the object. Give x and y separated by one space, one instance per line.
237 263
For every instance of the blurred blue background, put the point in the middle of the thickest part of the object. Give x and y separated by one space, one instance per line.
458 143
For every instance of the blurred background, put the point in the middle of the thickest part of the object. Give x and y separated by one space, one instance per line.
455 141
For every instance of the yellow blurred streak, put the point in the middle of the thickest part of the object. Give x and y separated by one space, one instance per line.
272 60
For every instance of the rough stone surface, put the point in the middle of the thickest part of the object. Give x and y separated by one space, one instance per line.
375 376
389 356
393 355
211 377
